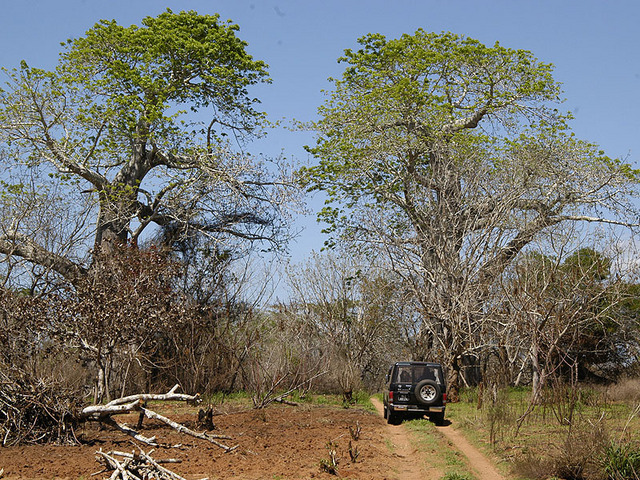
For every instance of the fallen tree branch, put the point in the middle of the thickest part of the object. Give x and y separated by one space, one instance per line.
120 469
132 403
281 399
159 467
169 396
182 429
106 410
131 455
151 441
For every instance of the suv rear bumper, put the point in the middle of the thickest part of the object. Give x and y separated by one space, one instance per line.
415 408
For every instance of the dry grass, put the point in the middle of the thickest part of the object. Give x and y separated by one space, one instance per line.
626 390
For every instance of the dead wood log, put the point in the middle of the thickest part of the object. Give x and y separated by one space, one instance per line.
286 402
182 429
160 468
107 410
145 397
151 441
133 455
131 403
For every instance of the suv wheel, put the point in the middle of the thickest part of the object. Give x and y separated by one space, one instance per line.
437 418
427 392
392 418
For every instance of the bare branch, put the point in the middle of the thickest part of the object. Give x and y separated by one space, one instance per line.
15 243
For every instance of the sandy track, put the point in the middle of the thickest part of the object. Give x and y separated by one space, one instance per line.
482 467
480 464
410 466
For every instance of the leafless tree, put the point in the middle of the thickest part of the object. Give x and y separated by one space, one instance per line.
351 308
559 315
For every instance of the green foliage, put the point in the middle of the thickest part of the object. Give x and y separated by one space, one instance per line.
580 304
589 263
134 119
448 158
120 86
396 96
457 476
330 465
404 107
11 189
622 461
138 73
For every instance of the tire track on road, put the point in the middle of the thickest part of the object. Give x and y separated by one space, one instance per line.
411 465
482 467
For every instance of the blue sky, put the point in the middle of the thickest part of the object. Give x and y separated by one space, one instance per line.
594 45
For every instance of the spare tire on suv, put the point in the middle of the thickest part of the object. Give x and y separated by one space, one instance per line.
427 392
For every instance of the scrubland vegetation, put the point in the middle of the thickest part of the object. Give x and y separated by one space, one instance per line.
575 431
466 224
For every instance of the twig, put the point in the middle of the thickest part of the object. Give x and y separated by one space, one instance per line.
137 466
160 467
130 431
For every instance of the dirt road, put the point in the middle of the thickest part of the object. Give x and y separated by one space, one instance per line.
411 466
414 465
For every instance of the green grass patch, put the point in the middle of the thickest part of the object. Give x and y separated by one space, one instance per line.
456 476
218 398
359 399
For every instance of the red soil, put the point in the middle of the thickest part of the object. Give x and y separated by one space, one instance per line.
280 442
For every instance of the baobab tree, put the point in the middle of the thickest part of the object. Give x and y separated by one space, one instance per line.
136 121
450 157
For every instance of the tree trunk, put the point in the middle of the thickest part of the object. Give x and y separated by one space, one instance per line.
100 382
538 374
453 389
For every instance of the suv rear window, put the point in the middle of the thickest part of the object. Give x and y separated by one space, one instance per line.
416 373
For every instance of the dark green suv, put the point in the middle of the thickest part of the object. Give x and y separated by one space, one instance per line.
415 388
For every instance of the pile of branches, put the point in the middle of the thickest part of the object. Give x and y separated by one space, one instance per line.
36 410
135 466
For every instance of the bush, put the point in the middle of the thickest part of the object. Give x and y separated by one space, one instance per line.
456 476
35 409
576 458
627 390
621 461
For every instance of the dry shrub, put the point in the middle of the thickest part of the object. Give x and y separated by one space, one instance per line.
499 413
625 390
534 466
578 457
36 409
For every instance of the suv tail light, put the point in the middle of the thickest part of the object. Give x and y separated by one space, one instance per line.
444 398
391 396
